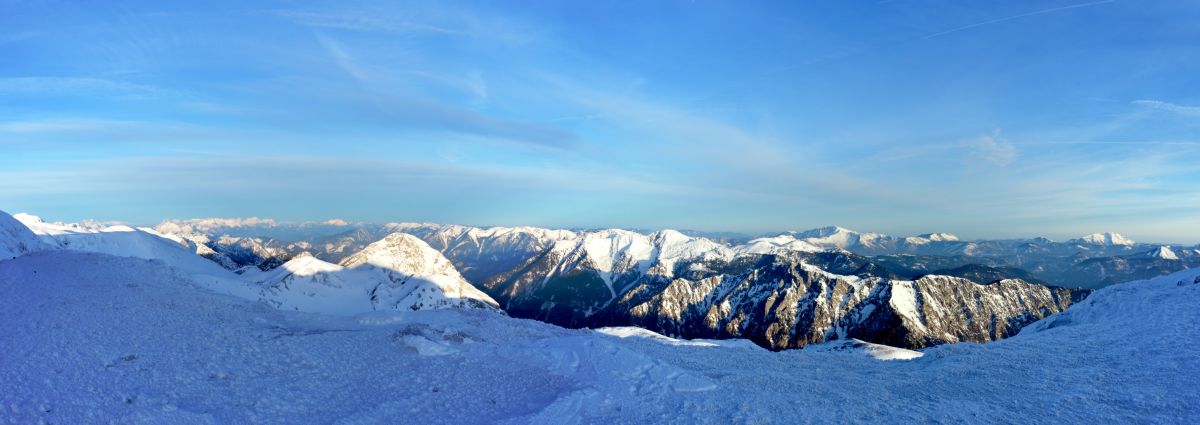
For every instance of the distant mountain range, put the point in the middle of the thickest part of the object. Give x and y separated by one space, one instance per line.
1091 261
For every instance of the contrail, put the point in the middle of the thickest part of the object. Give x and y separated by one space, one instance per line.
1009 18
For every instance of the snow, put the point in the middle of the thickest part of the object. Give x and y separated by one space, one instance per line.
904 301
636 332
874 351
210 225
16 239
399 272
939 237
403 253
1107 238
777 244
613 253
1164 253
106 339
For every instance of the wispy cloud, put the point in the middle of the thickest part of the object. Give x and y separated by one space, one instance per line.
1186 111
437 19
80 86
361 22
1012 17
342 58
991 148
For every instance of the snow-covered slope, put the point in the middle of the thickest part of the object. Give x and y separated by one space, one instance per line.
482 253
838 238
1162 253
107 339
16 239
875 351
403 253
1106 239
399 272
306 283
125 241
778 244
577 277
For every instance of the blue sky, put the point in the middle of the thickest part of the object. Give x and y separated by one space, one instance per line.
987 119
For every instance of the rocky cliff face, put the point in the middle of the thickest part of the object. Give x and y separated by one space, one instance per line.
777 301
782 303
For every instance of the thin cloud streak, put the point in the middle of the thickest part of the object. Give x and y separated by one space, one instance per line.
1186 111
1018 16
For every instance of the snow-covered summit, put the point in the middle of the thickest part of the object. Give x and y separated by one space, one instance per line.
939 237
613 253
48 230
404 253
834 237
16 239
1162 253
125 241
210 225
399 272
305 264
1106 238
306 283
778 244
840 238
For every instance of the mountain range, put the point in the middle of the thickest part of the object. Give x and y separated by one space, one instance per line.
782 291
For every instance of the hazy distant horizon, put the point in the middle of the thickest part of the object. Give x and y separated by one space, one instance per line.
731 233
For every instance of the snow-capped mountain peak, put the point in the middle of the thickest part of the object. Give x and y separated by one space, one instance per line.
1162 253
939 237
1106 238
16 239
305 264
823 232
398 272
404 253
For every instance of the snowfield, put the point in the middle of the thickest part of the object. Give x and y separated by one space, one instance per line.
16 239
95 338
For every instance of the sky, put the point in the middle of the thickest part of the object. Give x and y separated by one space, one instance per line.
987 119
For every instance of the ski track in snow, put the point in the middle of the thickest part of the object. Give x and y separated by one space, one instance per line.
92 338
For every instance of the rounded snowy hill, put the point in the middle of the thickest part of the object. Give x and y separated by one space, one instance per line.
1106 239
16 239
124 241
399 272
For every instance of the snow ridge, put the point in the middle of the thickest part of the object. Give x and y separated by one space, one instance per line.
399 272
1106 239
16 239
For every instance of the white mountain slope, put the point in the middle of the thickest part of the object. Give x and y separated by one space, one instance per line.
778 244
839 238
16 239
110 339
834 237
125 241
1162 253
875 351
399 272
615 254
1106 239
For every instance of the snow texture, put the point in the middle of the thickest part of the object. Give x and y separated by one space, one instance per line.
96 338
16 239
